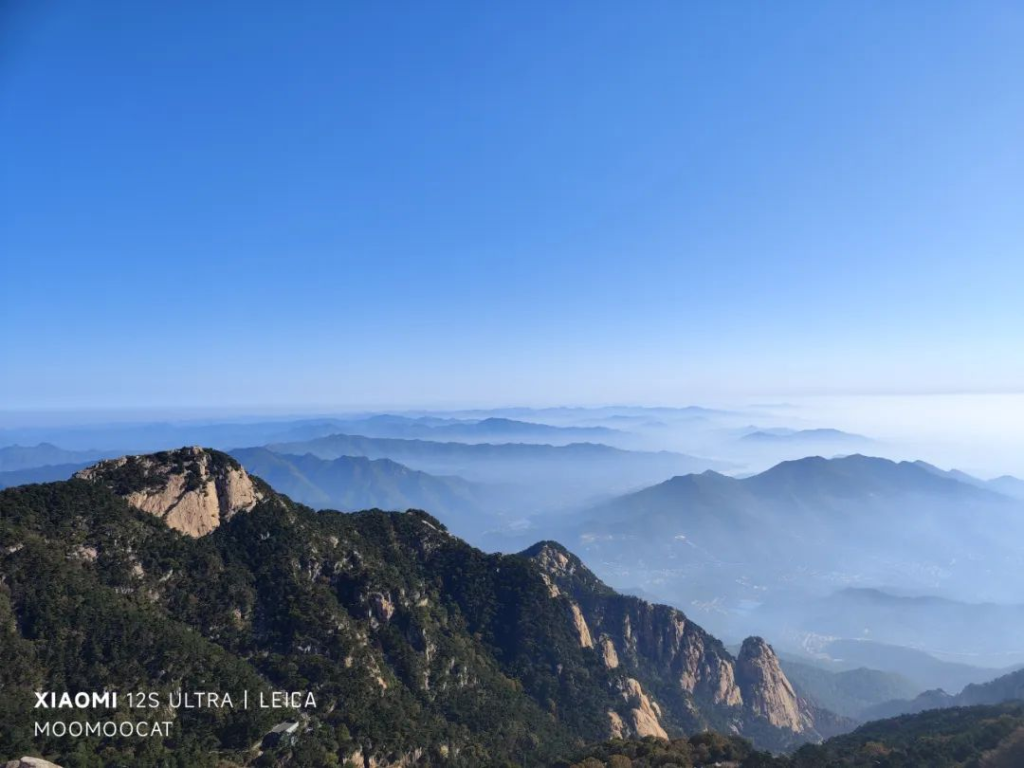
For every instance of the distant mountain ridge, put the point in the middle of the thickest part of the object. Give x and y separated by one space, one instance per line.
800 489
47 473
548 475
351 483
1008 687
760 551
1005 484
151 436
490 429
847 692
20 457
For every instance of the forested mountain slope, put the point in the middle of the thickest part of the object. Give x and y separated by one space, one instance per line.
415 645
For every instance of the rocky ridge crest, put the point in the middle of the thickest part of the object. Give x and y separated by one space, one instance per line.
193 489
652 642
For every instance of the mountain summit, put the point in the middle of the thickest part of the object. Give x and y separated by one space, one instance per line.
193 490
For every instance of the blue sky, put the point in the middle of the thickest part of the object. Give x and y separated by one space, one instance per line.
276 204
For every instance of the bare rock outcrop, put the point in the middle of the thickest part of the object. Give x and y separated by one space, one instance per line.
767 692
30 762
554 560
382 607
644 714
608 654
580 625
641 634
193 490
616 728
649 642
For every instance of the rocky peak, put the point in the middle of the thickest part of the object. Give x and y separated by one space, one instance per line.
554 559
193 490
637 639
562 570
766 691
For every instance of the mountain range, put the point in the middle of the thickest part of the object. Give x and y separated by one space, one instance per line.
922 669
1009 687
548 476
46 473
181 570
847 692
851 520
147 436
14 458
352 483
492 429
773 553
1005 484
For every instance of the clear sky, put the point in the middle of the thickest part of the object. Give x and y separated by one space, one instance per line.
339 203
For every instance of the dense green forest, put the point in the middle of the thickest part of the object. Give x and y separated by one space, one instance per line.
97 595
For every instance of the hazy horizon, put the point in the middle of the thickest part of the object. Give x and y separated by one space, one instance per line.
982 434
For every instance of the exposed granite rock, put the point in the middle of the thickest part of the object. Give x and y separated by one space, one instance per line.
658 645
616 728
552 589
644 714
580 624
767 692
382 608
359 758
30 762
193 490
643 634
608 654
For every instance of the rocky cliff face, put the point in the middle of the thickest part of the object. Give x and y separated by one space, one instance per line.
659 647
644 714
767 691
193 490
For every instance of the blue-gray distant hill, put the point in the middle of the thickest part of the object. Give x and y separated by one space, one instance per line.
769 550
120 439
804 437
546 474
488 430
1008 687
45 474
351 483
1006 484
804 500
18 457
921 668
846 692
